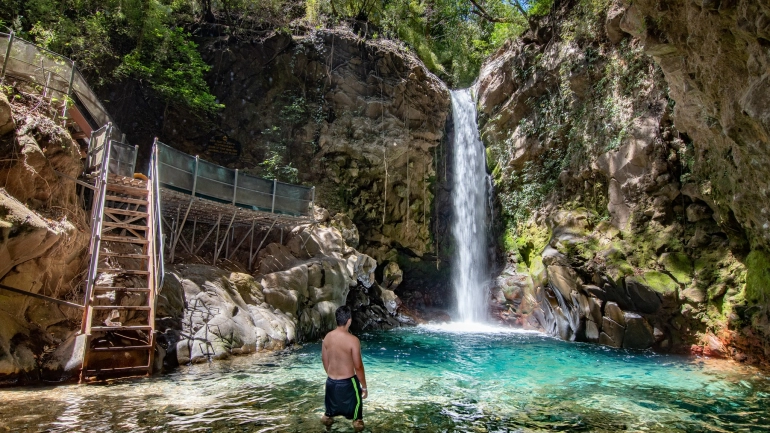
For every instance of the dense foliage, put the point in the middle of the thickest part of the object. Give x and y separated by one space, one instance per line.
452 37
151 39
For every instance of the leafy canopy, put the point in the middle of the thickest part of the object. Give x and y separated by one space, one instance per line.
111 39
452 37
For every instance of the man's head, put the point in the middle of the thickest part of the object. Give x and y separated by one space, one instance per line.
343 315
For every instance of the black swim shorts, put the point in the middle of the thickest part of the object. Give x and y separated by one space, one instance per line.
343 397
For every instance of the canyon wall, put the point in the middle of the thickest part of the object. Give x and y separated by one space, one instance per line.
627 144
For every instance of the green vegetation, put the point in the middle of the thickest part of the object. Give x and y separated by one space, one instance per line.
599 90
114 39
151 40
452 37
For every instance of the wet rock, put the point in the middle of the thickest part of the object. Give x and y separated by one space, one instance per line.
639 334
678 265
286 290
592 331
612 333
563 278
697 212
346 227
274 258
644 299
392 276
613 312
220 322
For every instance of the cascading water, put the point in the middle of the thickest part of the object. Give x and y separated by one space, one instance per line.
469 267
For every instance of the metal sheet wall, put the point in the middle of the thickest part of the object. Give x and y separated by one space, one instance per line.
178 170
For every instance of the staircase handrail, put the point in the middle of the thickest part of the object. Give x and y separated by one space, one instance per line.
157 223
96 228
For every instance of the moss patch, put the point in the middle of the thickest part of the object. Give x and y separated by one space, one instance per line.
678 265
758 276
528 241
660 282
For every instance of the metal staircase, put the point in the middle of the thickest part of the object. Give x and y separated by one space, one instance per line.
125 264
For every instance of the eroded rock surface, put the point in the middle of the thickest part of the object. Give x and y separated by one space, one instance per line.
209 313
622 152
43 239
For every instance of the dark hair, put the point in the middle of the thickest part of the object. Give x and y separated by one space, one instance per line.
343 315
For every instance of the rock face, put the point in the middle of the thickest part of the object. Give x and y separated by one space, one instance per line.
43 238
715 59
619 151
360 119
208 313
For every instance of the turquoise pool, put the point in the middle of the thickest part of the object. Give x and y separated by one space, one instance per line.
427 379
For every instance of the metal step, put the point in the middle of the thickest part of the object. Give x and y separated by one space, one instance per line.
121 307
94 372
110 197
125 189
120 289
120 348
118 211
124 255
121 328
123 271
126 239
114 225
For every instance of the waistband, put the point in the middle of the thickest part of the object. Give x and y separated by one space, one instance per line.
329 379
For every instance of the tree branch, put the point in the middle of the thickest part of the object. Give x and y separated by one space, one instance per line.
481 12
520 8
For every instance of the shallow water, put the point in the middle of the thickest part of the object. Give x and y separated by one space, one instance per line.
426 379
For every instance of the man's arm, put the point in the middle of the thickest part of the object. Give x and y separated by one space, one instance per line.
325 356
358 365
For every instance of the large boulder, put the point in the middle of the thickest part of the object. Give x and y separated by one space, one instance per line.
7 124
218 321
286 290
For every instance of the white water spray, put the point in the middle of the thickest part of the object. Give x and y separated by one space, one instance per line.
469 267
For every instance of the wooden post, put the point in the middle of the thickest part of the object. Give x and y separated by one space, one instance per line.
312 202
252 257
216 225
189 206
250 232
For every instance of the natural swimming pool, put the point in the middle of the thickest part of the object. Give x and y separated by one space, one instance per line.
425 379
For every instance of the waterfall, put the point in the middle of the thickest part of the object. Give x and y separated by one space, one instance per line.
469 202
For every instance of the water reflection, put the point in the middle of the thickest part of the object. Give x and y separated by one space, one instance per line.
421 380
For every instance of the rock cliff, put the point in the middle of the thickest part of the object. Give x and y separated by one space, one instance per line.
359 118
43 236
619 137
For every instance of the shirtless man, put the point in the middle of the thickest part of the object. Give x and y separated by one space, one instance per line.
346 384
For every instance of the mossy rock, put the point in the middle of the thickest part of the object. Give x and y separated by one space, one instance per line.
758 276
660 283
617 270
537 271
678 265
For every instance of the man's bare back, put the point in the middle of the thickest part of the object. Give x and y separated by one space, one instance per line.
341 355
346 384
